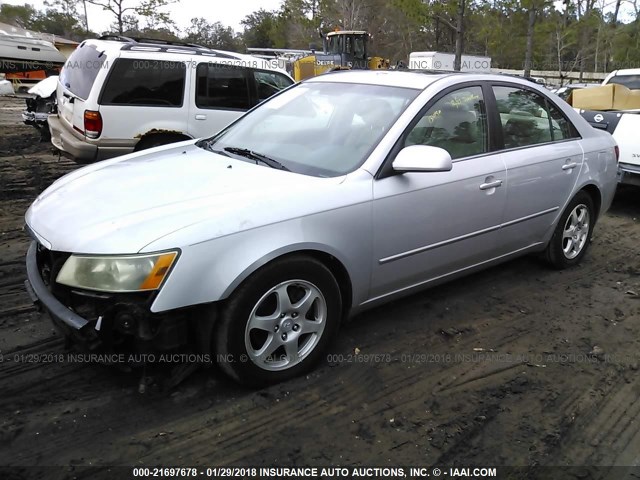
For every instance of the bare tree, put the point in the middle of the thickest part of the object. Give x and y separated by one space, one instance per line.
528 57
457 63
123 8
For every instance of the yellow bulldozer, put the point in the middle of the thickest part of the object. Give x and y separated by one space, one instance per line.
341 50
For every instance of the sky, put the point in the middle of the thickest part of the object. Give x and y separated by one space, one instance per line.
228 12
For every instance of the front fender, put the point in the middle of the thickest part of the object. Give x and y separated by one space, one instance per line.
210 271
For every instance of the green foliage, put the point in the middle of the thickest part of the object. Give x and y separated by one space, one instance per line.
54 20
18 15
212 35
261 29
566 35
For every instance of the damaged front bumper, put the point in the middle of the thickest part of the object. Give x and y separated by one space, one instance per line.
121 323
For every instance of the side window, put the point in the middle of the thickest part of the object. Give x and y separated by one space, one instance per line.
268 83
561 128
457 122
524 117
222 86
148 83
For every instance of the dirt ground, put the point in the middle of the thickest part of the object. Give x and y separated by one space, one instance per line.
519 365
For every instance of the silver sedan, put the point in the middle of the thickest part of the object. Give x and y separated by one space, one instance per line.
338 194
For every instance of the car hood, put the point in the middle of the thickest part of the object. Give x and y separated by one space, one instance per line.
122 205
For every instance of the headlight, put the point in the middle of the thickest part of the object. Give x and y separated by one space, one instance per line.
116 274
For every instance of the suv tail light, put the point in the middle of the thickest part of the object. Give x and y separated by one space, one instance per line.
92 123
617 150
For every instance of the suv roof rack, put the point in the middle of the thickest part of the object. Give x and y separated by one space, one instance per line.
155 41
169 46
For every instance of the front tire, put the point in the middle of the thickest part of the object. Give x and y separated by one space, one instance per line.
572 235
277 324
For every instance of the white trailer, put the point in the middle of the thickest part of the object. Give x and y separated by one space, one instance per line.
445 61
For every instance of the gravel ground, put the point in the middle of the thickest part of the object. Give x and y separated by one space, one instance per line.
518 365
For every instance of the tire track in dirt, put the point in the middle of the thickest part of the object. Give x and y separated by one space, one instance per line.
224 436
603 425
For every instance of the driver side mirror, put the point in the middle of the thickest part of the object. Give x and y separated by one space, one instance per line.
422 158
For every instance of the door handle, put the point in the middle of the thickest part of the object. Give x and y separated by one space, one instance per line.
489 185
201 117
569 166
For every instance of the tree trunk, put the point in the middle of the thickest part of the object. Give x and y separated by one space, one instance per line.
585 38
457 64
616 11
528 56
559 52
86 18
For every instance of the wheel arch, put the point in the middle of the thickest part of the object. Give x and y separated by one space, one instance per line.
329 259
596 196
156 134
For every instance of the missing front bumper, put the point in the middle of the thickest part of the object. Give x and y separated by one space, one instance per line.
114 323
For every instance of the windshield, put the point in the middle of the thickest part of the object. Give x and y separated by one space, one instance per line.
319 129
629 81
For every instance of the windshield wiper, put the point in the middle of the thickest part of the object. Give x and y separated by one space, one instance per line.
258 157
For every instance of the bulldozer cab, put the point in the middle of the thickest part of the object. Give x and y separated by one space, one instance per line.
348 45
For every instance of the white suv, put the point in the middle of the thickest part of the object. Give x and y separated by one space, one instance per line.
117 95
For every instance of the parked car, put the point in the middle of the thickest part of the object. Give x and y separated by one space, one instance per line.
621 119
117 95
41 105
343 192
564 91
629 77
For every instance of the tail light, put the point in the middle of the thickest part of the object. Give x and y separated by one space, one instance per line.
92 124
617 150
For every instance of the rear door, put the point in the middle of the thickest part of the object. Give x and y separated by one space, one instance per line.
77 78
543 156
220 93
142 95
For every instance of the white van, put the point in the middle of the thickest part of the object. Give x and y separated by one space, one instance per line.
117 95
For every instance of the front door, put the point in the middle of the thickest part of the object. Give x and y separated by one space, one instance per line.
430 224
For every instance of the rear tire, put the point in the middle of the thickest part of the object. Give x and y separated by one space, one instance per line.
572 235
278 323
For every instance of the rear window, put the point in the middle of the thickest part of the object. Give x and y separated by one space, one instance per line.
150 83
80 71
629 81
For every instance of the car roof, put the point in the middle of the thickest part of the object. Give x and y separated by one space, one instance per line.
391 78
417 79
582 85
114 45
627 71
